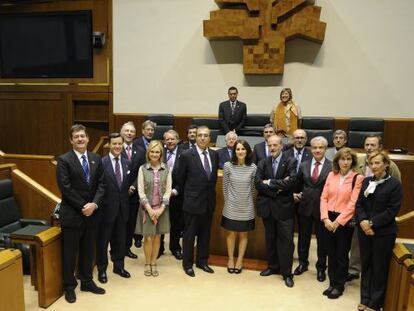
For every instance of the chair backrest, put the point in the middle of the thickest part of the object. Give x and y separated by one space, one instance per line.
319 126
160 130
254 125
360 128
161 119
212 124
9 212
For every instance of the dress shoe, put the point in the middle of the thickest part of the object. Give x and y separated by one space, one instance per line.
351 277
289 281
189 272
300 269
334 294
269 271
70 295
122 272
138 243
205 268
230 270
91 287
102 277
321 275
327 291
177 254
131 254
238 271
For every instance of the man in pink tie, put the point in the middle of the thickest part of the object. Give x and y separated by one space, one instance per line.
136 157
310 182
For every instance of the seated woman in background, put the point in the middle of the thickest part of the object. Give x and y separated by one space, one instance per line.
154 189
238 210
338 199
285 115
377 206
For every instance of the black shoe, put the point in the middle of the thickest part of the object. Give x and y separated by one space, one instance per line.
230 270
138 243
289 281
238 271
352 277
189 272
321 275
177 254
327 291
300 269
70 295
269 271
334 294
102 277
205 268
93 288
131 254
122 272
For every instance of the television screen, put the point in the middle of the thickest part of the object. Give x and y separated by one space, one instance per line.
46 45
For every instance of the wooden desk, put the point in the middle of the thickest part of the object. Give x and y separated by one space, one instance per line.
11 280
46 263
410 305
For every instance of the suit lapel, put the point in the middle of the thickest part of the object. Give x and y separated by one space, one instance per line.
281 167
124 172
197 161
213 160
109 169
78 167
326 168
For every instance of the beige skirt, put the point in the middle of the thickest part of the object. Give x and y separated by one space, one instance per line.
149 228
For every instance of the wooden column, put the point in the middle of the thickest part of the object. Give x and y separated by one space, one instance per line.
11 280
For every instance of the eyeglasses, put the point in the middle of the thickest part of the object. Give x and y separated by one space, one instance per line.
300 137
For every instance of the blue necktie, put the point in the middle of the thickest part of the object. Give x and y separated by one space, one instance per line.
206 164
274 167
85 167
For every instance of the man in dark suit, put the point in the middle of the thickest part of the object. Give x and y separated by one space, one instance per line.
191 136
80 178
197 176
115 211
298 150
148 130
310 182
232 113
275 181
172 155
225 154
261 150
135 154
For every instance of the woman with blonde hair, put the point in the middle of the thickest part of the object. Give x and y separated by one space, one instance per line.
286 115
338 199
154 189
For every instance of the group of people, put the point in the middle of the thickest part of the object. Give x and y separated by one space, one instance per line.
145 188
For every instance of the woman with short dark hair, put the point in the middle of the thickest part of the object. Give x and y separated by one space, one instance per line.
377 206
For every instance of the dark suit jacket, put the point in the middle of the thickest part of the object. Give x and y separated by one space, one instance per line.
199 192
311 192
276 199
174 173
224 156
259 152
137 159
76 192
381 207
229 121
306 154
116 200
139 141
185 146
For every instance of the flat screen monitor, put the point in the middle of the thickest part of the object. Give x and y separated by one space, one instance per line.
46 45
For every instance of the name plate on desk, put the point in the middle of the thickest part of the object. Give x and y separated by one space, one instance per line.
27 232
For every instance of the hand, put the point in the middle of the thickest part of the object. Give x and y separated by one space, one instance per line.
286 178
365 225
88 209
131 190
335 225
369 232
328 224
297 197
266 182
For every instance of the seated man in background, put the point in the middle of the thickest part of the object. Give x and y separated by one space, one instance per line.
310 182
191 136
232 113
261 150
372 143
115 211
339 140
225 154
148 130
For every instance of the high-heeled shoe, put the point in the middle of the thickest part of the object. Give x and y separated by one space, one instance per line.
230 270
238 271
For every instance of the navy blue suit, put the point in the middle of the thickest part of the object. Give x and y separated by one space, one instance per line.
224 156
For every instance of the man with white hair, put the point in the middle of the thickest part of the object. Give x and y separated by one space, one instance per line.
225 154
310 182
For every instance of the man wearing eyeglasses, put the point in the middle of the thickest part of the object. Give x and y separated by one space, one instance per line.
298 150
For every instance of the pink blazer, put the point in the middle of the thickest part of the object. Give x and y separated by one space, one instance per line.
340 199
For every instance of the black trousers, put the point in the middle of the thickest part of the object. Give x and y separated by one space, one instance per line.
305 226
196 225
338 245
177 222
376 252
113 233
130 226
279 244
78 242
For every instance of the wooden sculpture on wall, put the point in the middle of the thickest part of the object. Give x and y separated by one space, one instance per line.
264 26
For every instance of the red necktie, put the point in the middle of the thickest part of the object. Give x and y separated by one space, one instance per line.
315 173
